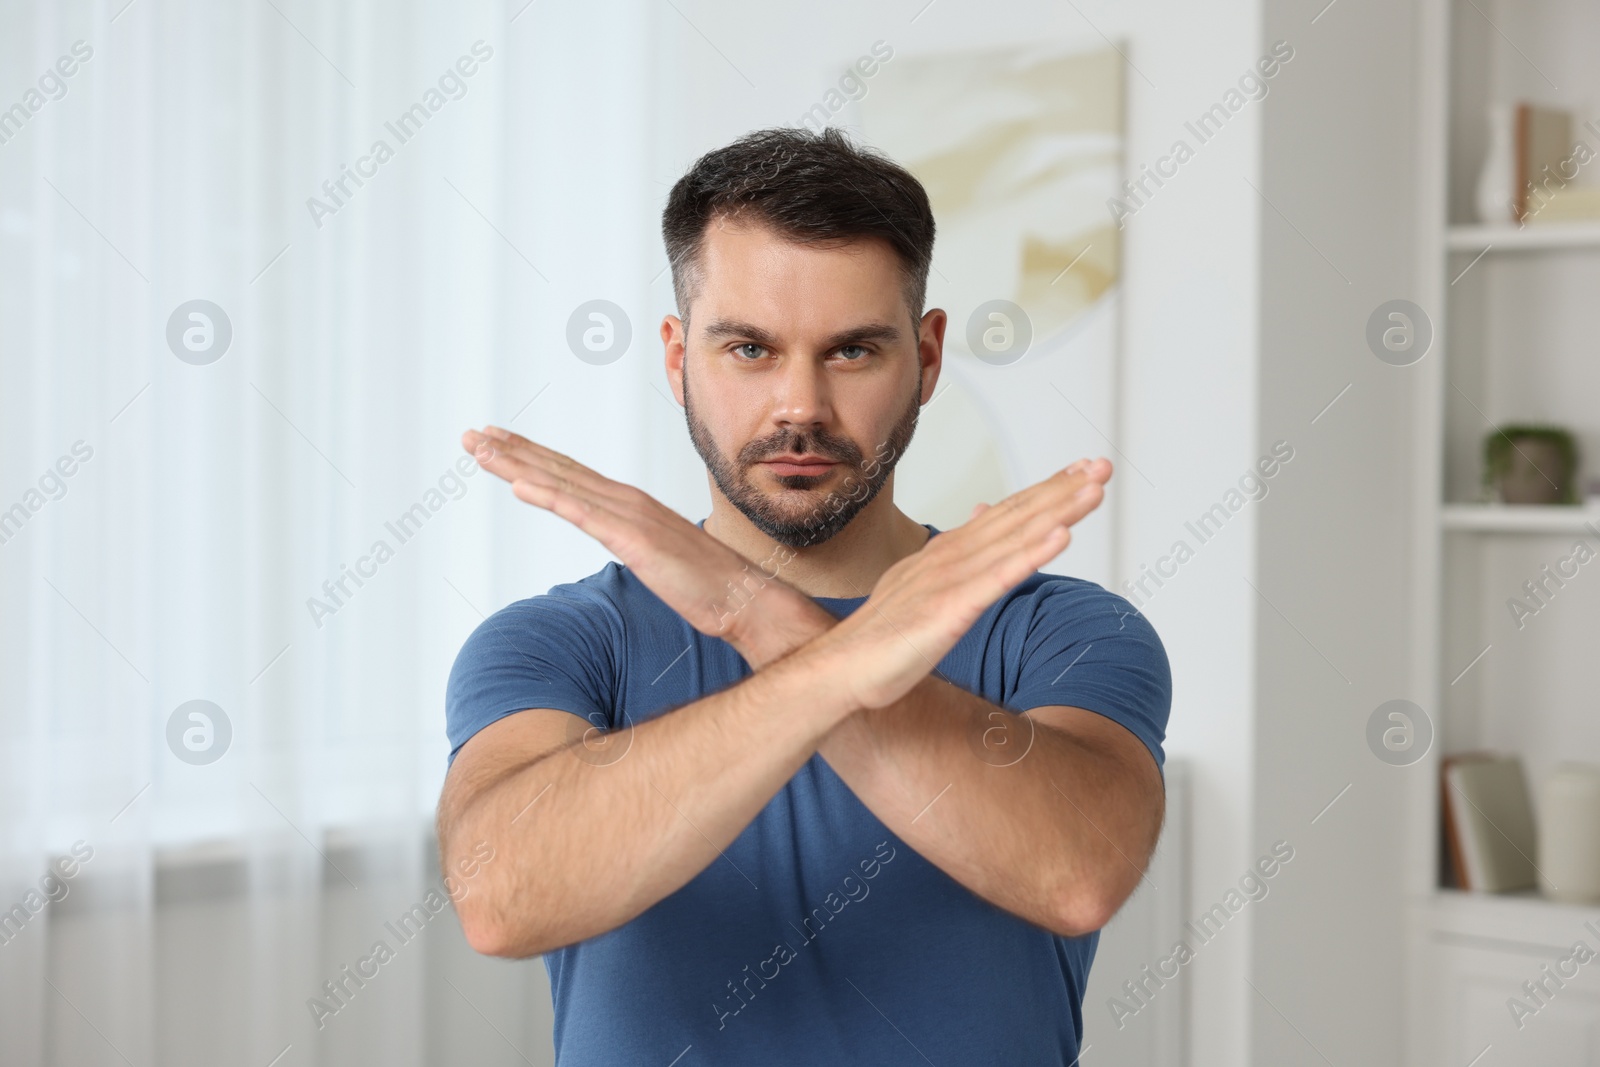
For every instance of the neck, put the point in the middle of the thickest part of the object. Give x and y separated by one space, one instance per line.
847 565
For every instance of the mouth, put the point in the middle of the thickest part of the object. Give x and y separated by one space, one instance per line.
790 465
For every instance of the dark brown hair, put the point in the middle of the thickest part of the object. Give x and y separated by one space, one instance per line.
810 187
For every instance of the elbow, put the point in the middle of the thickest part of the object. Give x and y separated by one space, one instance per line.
1077 919
485 936
493 939
483 905
1086 908
486 939
489 935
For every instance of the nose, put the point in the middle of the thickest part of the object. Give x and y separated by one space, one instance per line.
801 401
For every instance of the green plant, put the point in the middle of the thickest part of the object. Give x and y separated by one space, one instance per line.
1498 448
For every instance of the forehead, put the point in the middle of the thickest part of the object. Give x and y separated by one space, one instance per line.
752 271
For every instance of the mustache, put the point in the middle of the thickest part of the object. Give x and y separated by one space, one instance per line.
839 449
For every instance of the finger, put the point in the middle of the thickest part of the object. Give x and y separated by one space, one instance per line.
1099 470
1055 500
974 591
525 451
987 585
576 497
1049 491
1022 551
1066 496
625 507
512 456
564 467
483 447
640 538
525 448
1051 544
1021 535
1034 540
472 440
493 459
613 512
504 442
483 450
589 514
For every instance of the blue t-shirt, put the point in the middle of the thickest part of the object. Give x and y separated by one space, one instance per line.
819 936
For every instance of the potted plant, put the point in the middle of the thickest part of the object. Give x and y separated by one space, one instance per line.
1531 464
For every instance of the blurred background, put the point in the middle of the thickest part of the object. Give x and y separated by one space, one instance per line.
1316 275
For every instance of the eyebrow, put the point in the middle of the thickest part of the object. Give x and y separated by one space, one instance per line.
721 329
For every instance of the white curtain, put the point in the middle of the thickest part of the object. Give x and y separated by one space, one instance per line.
169 516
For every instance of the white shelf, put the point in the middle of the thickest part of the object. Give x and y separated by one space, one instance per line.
1519 518
1526 918
1510 238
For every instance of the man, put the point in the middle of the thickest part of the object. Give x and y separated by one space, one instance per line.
807 782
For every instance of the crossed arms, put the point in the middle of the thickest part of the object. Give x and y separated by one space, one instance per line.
1059 837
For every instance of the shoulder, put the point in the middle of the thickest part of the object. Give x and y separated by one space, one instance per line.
1089 610
581 616
1079 644
596 599
562 649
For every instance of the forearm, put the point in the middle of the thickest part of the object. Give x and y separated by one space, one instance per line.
582 847
696 777
1049 830
1052 836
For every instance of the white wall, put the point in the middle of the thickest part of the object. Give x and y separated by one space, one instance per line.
1339 164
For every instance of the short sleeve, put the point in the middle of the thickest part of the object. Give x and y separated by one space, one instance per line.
552 651
1089 648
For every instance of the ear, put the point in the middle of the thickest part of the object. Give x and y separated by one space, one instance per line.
672 341
930 350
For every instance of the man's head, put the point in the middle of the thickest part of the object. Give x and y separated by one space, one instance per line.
800 265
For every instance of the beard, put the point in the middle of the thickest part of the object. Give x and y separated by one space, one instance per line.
813 517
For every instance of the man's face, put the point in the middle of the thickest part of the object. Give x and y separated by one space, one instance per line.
807 376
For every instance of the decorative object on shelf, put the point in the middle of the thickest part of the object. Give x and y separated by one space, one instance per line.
1567 204
1498 178
1543 147
1488 823
1527 148
1569 834
1531 464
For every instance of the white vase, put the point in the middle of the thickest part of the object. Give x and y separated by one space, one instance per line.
1498 178
1569 834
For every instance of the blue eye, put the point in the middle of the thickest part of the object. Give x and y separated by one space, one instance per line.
749 344
858 348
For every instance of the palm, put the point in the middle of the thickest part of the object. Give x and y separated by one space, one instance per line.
679 562
928 601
